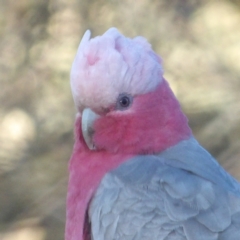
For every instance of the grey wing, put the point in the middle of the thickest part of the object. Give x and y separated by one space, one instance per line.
146 199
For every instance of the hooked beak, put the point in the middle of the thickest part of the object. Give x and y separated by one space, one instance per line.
88 119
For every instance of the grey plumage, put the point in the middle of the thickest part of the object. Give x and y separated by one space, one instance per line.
180 194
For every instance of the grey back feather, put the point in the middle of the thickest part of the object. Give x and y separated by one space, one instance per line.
161 197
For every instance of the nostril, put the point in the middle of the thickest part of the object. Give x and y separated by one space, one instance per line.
105 110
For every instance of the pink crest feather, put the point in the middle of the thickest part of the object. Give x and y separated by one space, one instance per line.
114 64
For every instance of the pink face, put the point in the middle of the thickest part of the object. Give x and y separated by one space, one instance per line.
142 124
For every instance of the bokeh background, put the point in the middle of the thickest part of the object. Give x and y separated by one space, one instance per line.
199 41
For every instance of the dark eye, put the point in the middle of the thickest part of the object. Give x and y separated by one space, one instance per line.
124 101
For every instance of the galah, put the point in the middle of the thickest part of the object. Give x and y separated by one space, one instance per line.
136 171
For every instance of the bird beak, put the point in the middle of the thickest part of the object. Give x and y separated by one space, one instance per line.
88 119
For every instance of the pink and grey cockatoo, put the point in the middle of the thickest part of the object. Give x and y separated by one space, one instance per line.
137 172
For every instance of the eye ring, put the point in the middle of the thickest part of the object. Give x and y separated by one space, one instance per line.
124 101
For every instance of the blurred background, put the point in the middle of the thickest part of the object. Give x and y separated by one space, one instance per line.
199 41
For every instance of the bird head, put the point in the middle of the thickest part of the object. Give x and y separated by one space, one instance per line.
124 103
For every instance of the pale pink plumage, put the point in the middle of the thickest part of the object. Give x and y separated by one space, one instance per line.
112 63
